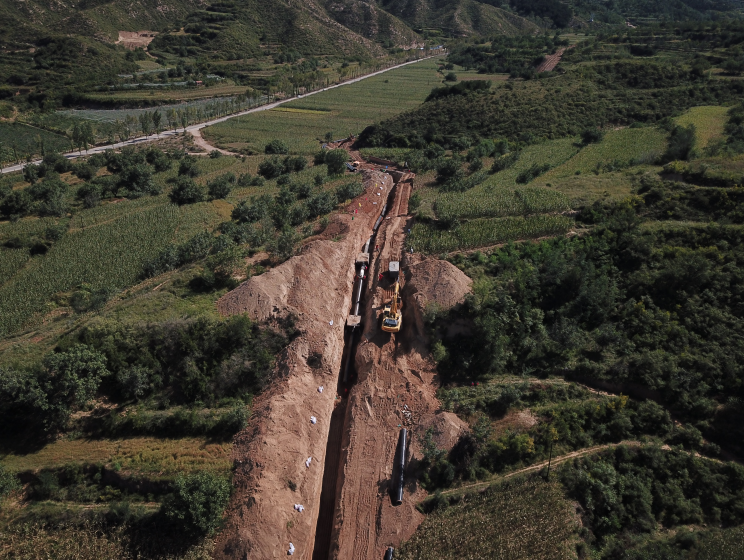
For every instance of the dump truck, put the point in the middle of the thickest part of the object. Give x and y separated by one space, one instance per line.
392 318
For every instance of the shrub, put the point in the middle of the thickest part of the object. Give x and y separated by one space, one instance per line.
450 77
321 203
188 167
186 191
349 191
681 143
258 208
198 501
276 147
592 136
17 203
215 154
221 186
336 161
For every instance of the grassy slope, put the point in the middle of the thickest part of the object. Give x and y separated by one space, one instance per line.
340 110
709 122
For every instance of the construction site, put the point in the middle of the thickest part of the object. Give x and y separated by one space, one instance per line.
323 470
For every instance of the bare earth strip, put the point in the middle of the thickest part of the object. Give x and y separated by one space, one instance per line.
315 286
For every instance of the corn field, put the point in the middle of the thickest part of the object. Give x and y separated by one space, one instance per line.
427 238
499 203
109 255
518 520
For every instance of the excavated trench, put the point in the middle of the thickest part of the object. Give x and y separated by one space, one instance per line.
334 457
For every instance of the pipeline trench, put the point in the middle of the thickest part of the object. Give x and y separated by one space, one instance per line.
334 457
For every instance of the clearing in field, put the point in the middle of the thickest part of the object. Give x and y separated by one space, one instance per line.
525 519
348 109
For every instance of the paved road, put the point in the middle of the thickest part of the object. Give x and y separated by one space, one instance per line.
168 133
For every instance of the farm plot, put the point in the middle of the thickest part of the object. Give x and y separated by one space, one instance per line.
500 203
709 123
343 110
519 520
19 140
428 238
618 149
108 256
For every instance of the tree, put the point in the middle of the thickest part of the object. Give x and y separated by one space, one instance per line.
276 147
157 118
16 203
220 187
186 191
681 143
451 77
70 380
170 115
198 502
336 161
592 136
145 120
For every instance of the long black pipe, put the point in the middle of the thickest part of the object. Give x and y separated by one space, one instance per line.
399 467
389 553
349 356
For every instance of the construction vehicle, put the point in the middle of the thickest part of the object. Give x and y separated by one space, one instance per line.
392 318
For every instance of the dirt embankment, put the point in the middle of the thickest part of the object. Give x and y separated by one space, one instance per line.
395 388
552 60
136 39
274 449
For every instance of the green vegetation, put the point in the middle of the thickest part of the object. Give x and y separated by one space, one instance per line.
484 232
516 520
346 110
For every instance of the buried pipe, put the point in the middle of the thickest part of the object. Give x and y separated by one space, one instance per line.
399 467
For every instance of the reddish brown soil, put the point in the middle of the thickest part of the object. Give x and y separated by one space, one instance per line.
316 287
136 39
395 388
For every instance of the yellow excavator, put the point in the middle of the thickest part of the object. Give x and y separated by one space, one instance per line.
392 318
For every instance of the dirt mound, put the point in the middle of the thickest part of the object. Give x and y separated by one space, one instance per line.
273 450
433 282
447 428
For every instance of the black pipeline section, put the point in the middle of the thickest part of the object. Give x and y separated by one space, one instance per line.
389 553
399 467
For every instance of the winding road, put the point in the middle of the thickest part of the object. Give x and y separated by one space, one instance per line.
195 128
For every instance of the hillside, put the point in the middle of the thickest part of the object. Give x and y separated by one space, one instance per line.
459 17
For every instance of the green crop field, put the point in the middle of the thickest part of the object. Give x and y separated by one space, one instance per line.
109 255
618 148
709 122
166 95
518 520
26 140
500 202
347 109
428 238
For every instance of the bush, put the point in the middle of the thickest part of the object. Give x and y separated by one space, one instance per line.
336 161
186 191
258 208
349 191
198 502
17 203
450 77
221 186
320 204
681 143
188 167
215 154
592 136
276 147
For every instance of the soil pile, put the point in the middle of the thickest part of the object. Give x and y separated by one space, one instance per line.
271 455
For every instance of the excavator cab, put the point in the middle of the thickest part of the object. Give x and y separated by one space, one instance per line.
392 318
